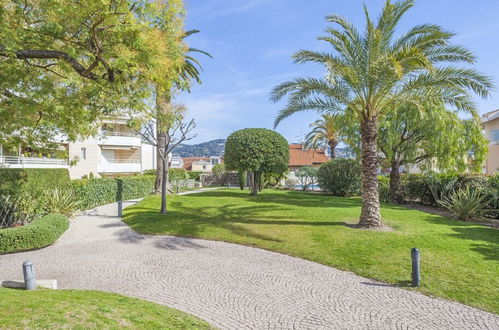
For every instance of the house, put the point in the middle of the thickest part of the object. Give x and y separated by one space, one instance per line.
176 162
301 157
490 122
114 150
201 164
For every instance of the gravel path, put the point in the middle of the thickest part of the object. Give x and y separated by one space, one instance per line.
232 286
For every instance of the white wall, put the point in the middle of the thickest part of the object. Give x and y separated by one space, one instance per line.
88 165
148 157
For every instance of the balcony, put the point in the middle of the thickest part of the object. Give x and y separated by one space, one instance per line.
33 162
120 166
121 139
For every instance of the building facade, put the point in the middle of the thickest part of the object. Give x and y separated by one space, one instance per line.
490 122
116 150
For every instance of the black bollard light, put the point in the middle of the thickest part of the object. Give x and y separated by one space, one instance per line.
178 190
29 275
120 208
416 274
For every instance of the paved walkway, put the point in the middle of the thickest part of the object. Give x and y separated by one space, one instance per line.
232 286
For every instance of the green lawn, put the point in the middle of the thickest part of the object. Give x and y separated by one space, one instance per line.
73 309
460 261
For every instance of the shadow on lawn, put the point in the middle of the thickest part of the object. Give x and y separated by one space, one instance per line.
486 238
293 198
193 221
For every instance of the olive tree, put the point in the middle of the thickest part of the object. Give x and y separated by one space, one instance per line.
257 151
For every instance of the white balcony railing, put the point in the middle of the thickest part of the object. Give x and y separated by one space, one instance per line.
127 134
33 162
120 166
123 139
123 161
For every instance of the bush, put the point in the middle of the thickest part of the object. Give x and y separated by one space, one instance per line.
94 192
340 177
177 175
28 188
61 201
194 175
465 203
384 188
149 172
38 234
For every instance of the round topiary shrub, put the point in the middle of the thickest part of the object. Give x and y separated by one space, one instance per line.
341 177
257 151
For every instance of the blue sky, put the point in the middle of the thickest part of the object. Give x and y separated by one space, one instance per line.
251 42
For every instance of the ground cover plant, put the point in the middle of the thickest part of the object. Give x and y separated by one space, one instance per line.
460 260
63 309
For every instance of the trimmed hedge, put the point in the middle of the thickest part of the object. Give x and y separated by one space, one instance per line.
100 191
38 234
13 180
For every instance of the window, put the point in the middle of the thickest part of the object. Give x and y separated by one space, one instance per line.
83 153
494 135
204 167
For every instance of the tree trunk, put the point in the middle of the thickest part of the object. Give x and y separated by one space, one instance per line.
370 213
254 183
332 145
164 181
395 194
162 102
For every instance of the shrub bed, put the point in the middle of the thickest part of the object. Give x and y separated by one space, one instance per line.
100 191
427 189
38 234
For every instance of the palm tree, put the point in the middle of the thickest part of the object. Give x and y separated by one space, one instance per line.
373 71
324 133
189 71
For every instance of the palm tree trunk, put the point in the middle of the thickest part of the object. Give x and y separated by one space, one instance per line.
395 195
332 145
370 216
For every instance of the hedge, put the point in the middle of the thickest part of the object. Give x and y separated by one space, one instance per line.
38 234
100 191
13 180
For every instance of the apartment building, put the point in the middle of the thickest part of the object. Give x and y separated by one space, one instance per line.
490 122
115 150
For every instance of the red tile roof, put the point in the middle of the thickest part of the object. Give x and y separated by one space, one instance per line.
189 160
305 157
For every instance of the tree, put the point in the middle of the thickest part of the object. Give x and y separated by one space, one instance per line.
65 64
325 133
188 71
374 71
257 151
307 176
434 139
176 131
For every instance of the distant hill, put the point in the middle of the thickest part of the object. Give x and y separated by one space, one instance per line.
205 149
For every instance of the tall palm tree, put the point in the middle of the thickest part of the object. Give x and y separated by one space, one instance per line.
189 71
325 133
373 71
